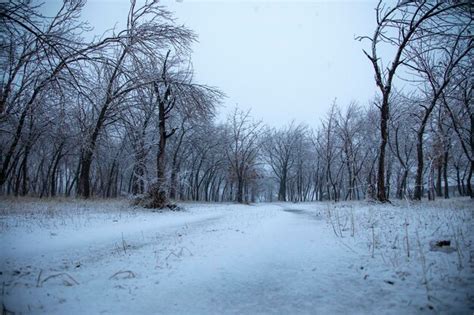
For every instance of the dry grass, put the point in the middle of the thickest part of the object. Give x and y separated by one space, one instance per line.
53 212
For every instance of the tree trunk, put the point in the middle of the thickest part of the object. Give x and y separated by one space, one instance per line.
175 165
439 191
157 192
445 175
471 140
110 179
83 184
384 115
282 188
4 171
137 185
419 170
431 184
24 167
240 190
401 191
53 173
161 156
469 190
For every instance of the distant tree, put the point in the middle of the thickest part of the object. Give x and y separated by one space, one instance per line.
328 150
349 127
303 171
242 150
279 150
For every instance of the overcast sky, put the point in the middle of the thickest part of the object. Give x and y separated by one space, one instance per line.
284 60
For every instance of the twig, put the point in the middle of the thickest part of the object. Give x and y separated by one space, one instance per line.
332 223
352 223
373 240
458 248
423 266
172 253
124 245
185 248
338 223
347 246
180 253
39 279
129 273
63 274
406 238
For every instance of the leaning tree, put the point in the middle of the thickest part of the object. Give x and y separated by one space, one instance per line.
397 27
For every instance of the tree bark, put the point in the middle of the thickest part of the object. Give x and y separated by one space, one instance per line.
384 115
439 191
282 187
445 175
419 170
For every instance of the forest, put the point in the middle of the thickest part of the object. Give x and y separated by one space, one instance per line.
130 185
120 114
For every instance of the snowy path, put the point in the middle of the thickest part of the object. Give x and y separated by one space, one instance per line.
265 259
289 263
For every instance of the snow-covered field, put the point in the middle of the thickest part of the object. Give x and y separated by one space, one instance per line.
106 257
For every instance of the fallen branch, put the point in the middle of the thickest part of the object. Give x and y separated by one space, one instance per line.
69 281
180 253
39 279
129 274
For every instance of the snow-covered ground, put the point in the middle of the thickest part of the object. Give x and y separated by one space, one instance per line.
106 257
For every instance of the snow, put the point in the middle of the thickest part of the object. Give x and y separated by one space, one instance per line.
106 257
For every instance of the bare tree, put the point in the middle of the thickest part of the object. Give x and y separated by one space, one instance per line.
459 108
402 142
35 51
280 152
242 150
174 92
398 26
149 29
328 150
436 59
349 127
138 121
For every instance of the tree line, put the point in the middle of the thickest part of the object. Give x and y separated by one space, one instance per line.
121 114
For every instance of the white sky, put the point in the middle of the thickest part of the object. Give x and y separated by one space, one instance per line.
284 60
